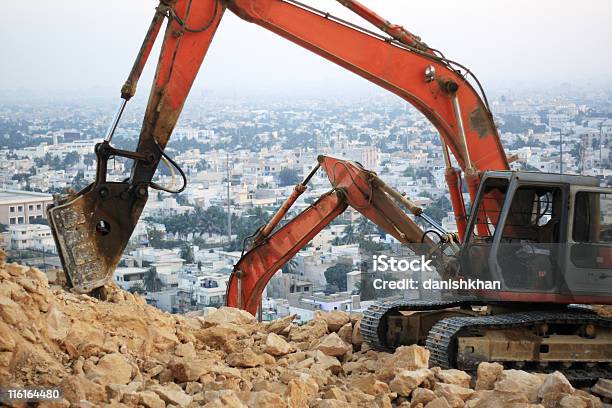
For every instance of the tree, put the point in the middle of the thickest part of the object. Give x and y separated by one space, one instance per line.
3 228
154 234
89 159
151 281
79 182
349 236
290 267
336 275
202 165
370 247
187 254
288 177
365 226
439 208
71 159
418 174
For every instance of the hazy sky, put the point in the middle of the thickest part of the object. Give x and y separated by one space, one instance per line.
88 46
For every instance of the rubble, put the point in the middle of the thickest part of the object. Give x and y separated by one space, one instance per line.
119 351
487 375
334 346
276 345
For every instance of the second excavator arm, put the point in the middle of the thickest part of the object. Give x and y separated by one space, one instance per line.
353 186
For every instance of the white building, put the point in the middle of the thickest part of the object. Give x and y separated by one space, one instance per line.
306 306
353 279
32 236
210 289
126 278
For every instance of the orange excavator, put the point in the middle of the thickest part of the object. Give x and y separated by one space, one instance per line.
544 237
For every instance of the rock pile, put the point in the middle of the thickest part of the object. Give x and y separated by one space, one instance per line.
121 352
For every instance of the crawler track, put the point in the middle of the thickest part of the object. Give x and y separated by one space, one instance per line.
442 338
373 324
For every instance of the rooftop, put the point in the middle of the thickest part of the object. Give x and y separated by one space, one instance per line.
18 196
29 227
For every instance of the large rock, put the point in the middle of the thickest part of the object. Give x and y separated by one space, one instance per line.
185 350
187 369
327 362
572 401
247 358
518 381
408 358
265 399
346 333
487 375
332 403
407 381
370 385
332 345
603 388
335 393
11 312
172 394
422 396
355 317
496 399
335 319
280 325
58 324
411 357
438 403
222 399
77 388
591 400
276 345
223 336
553 389
356 337
455 395
149 399
452 376
314 329
299 392
114 369
225 315
7 341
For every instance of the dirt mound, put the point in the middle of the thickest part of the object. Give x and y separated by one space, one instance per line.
122 352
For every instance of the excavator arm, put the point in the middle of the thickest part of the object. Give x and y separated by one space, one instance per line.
92 227
353 186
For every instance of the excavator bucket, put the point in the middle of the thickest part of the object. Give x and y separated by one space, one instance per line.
91 229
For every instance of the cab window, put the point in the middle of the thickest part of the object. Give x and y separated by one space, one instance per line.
592 231
593 217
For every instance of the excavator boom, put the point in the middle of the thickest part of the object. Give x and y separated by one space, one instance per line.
353 186
92 227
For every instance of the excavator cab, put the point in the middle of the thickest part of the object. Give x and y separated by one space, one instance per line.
543 237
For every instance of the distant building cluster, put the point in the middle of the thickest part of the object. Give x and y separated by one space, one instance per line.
244 158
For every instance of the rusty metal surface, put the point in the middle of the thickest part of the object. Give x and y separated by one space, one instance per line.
89 250
92 228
